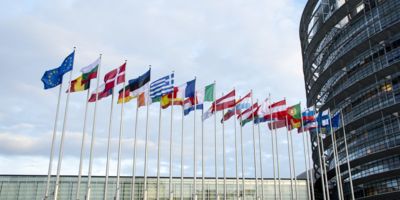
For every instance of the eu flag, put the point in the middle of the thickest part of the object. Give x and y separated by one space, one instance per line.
53 77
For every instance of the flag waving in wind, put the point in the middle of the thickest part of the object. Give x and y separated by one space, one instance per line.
53 77
161 87
179 94
111 79
309 122
208 95
248 115
82 82
241 104
115 77
135 87
227 101
294 116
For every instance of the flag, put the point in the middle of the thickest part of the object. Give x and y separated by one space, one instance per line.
209 92
143 99
188 105
201 96
53 77
336 120
161 87
207 114
247 115
227 101
294 116
115 77
275 124
186 90
101 94
124 95
309 115
309 121
78 85
90 72
323 119
241 104
263 112
278 115
166 100
135 87
278 110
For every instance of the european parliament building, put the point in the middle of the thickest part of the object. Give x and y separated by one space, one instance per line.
351 63
31 187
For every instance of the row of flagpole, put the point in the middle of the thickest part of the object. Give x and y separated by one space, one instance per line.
276 168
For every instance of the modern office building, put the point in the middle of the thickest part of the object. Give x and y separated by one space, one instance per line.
351 59
29 187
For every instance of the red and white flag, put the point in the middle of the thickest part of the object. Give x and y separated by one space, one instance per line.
115 77
278 110
102 93
277 115
227 101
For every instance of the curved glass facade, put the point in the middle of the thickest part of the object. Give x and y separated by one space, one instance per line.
29 187
351 62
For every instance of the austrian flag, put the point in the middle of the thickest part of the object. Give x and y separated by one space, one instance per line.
227 101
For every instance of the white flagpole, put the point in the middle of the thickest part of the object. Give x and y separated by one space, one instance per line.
272 146
89 186
294 165
290 159
338 167
134 150
236 152
261 163
223 153
305 157
194 150
158 154
215 143
335 158
146 153
347 156
108 147
321 164
324 167
277 163
254 147
121 131
61 151
310 164
170 191
202 153
78 187
182 142
242 155
46 195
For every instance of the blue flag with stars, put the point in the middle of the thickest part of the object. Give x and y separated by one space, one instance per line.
53 77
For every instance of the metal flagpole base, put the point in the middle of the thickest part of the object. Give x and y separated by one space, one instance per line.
195 197
171 196
145 195
217 197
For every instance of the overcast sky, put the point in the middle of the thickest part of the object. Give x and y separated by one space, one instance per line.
242 44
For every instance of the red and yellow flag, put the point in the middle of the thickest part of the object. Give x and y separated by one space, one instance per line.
77 85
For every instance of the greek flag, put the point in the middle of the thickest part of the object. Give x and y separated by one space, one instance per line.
161 87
